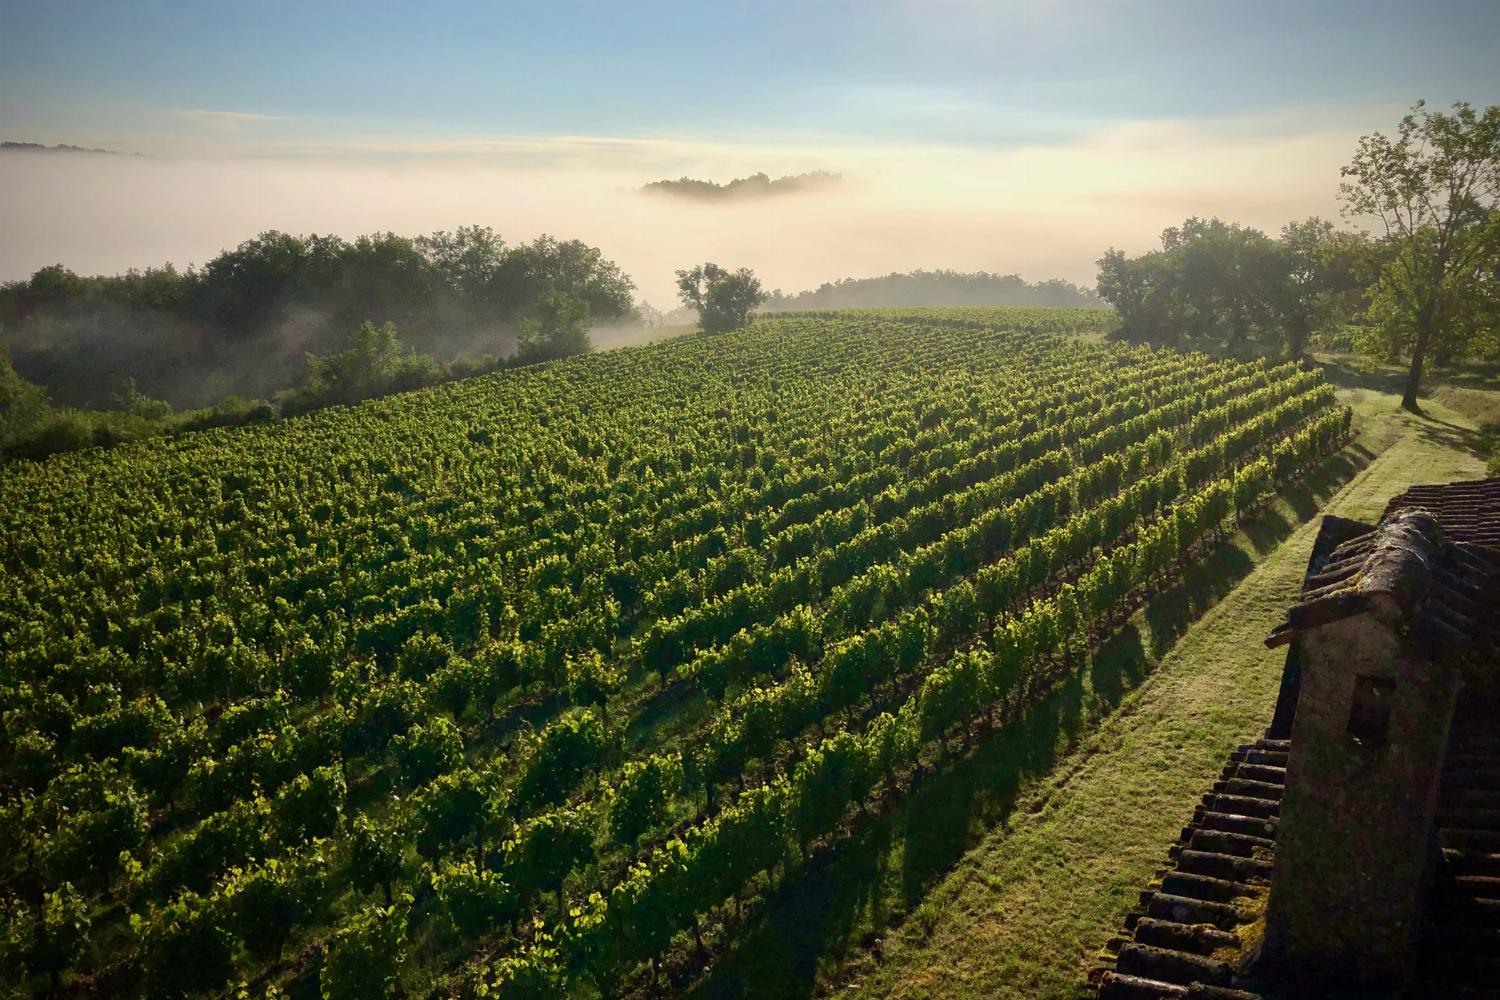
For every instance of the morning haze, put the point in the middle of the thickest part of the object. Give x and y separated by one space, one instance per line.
583 500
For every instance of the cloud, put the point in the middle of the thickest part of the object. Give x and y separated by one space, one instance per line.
224 121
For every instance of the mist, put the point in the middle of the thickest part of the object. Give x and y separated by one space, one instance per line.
1042 211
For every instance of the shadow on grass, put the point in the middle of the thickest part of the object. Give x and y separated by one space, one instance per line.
848 895
1443 433
1450 435
1349 376
1485 377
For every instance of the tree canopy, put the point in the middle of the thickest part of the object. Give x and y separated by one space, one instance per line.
1433 190
1221 286
724 298
242 323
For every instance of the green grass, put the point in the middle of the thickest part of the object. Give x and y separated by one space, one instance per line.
1004 876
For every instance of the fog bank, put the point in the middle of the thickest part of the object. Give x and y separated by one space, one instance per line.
1040 211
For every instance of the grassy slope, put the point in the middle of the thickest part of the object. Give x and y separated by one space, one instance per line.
1072 814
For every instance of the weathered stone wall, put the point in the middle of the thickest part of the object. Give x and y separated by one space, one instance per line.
1356 847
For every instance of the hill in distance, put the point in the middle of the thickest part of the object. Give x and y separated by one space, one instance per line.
919 289
757 185
9 146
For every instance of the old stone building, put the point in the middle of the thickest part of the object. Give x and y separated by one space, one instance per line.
1353 851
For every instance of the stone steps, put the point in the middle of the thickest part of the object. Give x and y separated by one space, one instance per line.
1248 788
1263 827
1196 938
1185 926
1170 966
1117 986
1221 863
1471 863
1471 798
1221 842
1225 866
1253 755
1475 886
1243 805
1480 841
1461 951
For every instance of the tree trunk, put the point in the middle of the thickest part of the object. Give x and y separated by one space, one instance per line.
1418 359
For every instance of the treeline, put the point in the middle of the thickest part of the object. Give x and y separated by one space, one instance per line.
373 363
936 288
243 323
1222 287
1422 288
282 325
757 185
1225 288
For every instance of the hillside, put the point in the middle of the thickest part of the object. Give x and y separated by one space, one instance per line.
1052 866
755 186
566 676
920 289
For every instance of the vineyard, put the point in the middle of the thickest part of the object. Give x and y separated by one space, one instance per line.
536 682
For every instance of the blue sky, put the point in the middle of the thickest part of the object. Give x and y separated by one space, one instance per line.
988 75
1015 138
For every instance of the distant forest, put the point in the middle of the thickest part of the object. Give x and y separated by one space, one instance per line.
9 146
244 323
936 288
754 186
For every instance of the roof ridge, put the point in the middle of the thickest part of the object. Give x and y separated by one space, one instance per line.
1440 587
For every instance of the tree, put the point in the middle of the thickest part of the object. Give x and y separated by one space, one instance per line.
23 406
1224 287
1433 189
1212 286
466 257
569 267
1325 281
723 298
558 327
374 363
233 325
649 314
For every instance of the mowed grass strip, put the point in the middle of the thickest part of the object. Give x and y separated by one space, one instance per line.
1004 876
1025 913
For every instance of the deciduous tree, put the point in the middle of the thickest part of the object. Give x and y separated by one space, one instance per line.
723 298
1433 189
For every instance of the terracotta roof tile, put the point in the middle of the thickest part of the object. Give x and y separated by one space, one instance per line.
1468 511
1431 561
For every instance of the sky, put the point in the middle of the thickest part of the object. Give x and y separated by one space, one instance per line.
997 136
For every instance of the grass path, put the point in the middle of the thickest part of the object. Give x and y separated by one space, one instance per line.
1024 912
